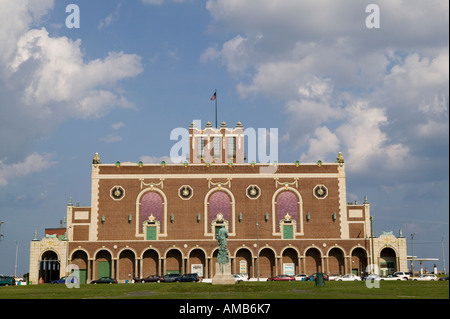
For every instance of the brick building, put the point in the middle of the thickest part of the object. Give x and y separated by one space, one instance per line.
147 219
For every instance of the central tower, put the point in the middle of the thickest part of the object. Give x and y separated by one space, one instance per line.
216 145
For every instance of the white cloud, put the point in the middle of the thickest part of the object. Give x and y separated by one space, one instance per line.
46 80
31 164
322 146
118 125
377 94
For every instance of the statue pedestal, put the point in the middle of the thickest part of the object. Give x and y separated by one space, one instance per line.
223 275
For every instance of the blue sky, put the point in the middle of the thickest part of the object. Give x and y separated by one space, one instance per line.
136 70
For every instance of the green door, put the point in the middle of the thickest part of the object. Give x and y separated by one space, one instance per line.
288 232
151 233
82 276
104 269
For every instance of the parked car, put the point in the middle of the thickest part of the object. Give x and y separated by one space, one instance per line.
189 278
282 278
152 278
349 277
240 277
402 274
104 280
62 280
370 277
393 277
426 277
301 277
7 281
313 277
333 277
172 277
444 278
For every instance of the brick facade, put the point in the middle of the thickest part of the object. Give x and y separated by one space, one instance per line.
149 219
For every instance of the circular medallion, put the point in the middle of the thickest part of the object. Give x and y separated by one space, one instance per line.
185 192
253 192
320 191
117 193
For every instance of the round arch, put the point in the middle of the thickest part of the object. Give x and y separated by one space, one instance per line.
126 264
243 260
358 260
163 231
150 262
290 260
387 260
267 257
197 261
49 266
103 263
232 229
77 251
80 258
275 222
313 260
173 261
336 260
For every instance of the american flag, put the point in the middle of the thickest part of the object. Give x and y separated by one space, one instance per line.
213 97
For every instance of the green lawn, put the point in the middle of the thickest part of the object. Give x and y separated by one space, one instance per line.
244 290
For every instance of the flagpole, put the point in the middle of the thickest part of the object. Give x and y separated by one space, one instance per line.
215 92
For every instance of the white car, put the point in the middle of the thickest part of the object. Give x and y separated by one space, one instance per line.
402 274
333 277
393 277
372 277
301 277
349 277
240 277
426 277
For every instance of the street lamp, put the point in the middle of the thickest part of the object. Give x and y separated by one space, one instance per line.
15 266
412 248
257 250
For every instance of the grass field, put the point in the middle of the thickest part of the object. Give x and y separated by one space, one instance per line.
244 290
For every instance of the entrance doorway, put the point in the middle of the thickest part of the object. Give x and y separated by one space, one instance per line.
49 267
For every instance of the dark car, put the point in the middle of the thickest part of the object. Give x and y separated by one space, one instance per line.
104 280
282 278
444 278
7 281
172 277
189 278
63 280
153 278
313 277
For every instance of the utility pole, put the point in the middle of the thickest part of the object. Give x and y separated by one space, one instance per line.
15 266
1 235
371 245
412 260
443 256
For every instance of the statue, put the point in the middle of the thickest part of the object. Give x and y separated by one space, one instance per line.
222 256
223 266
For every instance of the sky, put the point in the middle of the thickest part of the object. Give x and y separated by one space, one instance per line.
331 76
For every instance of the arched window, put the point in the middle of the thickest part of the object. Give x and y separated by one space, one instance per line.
151 204
152 219
219 211
287 213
